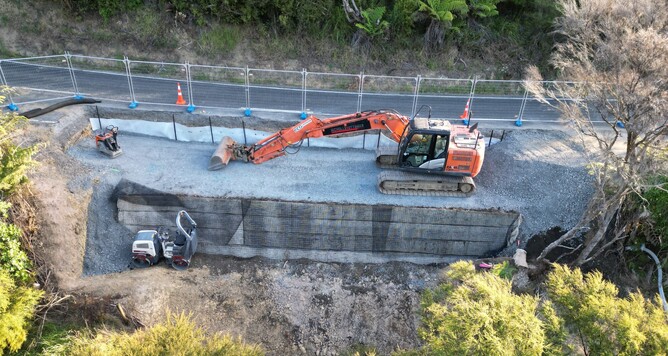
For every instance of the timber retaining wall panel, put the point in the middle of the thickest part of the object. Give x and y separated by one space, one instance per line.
254 223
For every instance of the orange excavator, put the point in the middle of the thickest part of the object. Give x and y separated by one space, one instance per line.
433 156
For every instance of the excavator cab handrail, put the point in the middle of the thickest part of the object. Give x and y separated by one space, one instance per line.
180 227
420 109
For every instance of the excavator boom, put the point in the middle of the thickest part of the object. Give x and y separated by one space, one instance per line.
275 145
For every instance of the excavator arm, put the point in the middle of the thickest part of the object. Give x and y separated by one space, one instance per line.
276 144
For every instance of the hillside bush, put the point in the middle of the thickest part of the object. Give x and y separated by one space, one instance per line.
601 323
13 258
178 335
17 306
477 313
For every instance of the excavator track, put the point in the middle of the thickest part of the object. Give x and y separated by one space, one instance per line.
403 183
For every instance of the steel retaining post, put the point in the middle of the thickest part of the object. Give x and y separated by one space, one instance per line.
68 59
248 111
303 114
191 106
128 74
12 106
174 125
99 121
211 129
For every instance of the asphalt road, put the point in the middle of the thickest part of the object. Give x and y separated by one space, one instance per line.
55 81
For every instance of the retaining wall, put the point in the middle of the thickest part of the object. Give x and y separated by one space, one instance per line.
323 231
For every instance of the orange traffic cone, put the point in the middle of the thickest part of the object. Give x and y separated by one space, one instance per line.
181 101
465 115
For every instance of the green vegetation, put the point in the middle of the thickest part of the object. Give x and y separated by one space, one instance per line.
13 260
512 31
18 299
477 313
218 40
373 24
178 335
17 305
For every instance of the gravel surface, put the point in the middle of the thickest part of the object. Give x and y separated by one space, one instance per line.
540 174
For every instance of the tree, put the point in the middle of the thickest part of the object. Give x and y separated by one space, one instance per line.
614 56
441 14
17 306
369 23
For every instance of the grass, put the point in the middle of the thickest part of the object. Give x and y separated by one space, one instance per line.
54 339
149 28
218 40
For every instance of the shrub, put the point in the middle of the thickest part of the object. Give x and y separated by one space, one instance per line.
178 335
218 40
17 306
13 259
601 322
477 313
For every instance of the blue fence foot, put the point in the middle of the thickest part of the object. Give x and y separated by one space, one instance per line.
620 124
247 112
518 122
12 107
190 108
78 97
303 115
465 121
133 105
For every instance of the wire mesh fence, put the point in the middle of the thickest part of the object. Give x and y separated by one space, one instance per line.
332 94
245 89
218 86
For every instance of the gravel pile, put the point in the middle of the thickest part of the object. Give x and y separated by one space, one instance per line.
540 174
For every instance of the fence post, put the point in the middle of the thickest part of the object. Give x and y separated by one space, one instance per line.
467 120
247 112
191 106
303 115
361 90
11 106
128 74
520 115
68 59
416 93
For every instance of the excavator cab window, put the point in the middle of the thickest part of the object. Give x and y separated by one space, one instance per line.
426 151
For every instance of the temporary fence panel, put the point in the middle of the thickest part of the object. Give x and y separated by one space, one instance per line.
535 110
101 78
278 90
50 75
218 87
156 82
380 92
332 94
446 97
499 100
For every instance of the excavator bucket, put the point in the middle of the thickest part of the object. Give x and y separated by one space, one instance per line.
223 154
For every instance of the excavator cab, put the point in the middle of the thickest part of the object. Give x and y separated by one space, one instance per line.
426 151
